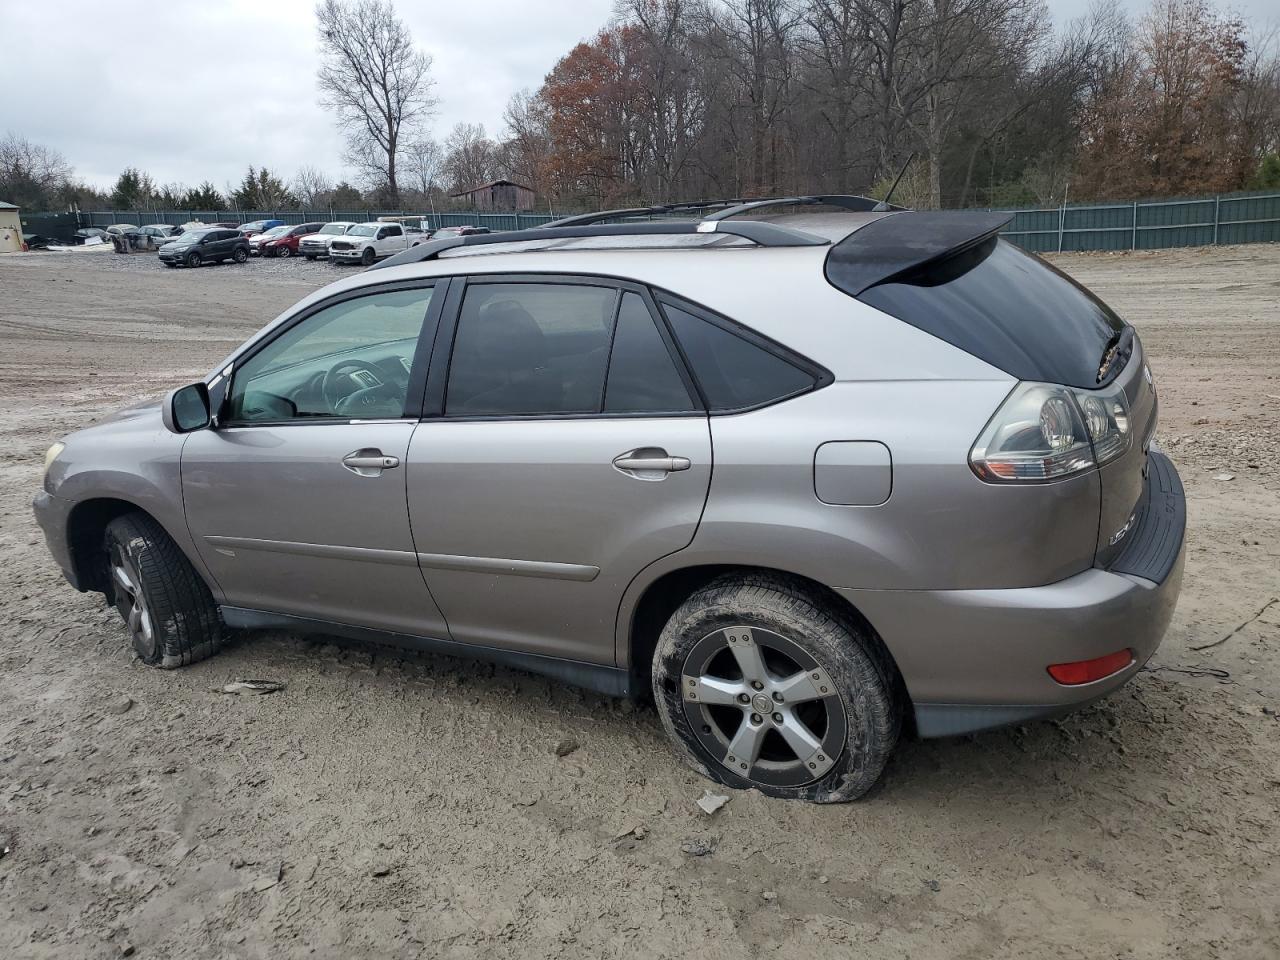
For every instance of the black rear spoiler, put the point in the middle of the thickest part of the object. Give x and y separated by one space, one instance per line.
895 245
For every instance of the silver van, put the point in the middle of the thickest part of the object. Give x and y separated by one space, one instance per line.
807 470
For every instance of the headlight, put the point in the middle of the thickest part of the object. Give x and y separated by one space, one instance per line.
1047 432
51 455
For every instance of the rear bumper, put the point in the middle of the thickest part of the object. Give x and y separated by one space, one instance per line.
974 659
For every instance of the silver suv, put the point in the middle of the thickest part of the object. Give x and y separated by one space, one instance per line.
804 474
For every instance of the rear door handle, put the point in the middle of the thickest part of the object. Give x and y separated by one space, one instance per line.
369 462
650 463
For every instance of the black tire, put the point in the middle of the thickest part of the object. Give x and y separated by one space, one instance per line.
282 252
177 622
240 255
310 256
864 678
193 259
367 257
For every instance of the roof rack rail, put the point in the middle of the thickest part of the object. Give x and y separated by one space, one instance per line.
762 234
847 201
583 219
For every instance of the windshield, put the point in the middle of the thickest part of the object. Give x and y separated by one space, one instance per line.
194 234
362 231
276 232
338 228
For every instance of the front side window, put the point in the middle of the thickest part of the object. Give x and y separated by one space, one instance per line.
733 372
349 360
524 349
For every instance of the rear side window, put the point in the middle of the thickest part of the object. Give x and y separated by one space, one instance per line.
733 372
524 349
642 375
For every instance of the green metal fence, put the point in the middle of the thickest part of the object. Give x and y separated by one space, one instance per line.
1135 225
1149 224
494 221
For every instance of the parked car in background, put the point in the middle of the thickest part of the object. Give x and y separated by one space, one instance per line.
118 229
366 243
90 233
257 240
255 227
316 245
463 231
283 241
204 245
158 234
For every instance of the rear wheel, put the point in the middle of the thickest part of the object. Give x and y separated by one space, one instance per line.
759 683
193 259
171 616
240 255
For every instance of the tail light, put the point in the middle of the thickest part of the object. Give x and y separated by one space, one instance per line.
1045 432
1087 671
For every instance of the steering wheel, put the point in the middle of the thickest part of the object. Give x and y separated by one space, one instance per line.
329 387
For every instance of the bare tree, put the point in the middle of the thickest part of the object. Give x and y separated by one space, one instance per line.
468 157
424 162
376 82
312 187
31 175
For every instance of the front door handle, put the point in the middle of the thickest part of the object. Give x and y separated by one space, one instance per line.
650 463
369 462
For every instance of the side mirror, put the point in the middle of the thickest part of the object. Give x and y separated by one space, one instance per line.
186 408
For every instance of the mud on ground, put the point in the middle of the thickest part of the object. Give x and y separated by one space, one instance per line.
392 806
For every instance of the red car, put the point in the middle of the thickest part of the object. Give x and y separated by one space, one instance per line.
285 243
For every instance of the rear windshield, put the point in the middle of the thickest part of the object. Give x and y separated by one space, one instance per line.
1008 308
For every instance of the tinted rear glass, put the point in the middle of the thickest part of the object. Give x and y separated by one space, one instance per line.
1008 308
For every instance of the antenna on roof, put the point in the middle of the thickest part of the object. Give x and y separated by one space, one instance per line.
883 205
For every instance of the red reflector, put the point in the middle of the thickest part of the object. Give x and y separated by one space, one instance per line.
1086 671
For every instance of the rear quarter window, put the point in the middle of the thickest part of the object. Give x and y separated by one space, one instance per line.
737 370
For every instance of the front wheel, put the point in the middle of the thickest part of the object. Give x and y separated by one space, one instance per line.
282 252
367 258
760 683
171 616
240 255
193 259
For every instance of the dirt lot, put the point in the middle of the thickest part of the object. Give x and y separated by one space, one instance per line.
384 806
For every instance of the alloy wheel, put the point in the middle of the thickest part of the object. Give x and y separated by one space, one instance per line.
762 706
132 603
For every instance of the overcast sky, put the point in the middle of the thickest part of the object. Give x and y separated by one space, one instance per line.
189 91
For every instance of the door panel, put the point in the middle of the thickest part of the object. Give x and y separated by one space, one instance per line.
284 526
528 534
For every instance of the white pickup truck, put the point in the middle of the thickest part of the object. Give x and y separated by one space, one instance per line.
366 242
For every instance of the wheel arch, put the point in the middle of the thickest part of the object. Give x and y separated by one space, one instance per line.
642 618
87 525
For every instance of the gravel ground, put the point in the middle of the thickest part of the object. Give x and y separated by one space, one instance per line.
385 805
